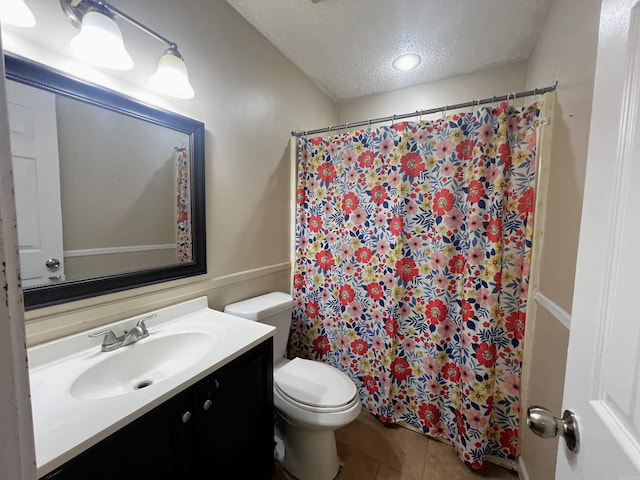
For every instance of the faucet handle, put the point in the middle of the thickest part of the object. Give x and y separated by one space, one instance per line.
141 324
109 337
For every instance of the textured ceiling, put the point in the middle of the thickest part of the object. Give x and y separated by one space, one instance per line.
346 46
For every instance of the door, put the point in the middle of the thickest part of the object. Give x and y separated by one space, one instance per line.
602 383
34 152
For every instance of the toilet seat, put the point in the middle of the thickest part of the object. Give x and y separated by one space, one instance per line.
314 386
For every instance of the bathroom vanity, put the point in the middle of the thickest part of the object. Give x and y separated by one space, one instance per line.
193 400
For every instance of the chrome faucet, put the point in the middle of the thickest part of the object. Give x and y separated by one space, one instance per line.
113 342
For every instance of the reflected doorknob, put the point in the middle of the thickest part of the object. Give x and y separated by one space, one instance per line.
544 424
52 263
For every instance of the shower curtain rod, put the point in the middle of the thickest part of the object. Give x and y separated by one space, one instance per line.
477 102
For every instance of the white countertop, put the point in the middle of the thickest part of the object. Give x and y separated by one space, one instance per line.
65 426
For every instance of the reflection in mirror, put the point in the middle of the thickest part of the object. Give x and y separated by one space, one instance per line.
109 192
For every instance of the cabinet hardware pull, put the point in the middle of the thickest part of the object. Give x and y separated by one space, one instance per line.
207 405
186 416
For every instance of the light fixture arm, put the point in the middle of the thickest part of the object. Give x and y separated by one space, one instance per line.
116 11
76 9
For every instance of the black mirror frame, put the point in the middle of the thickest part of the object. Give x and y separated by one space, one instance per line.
40 76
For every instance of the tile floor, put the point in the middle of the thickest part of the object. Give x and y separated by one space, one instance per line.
371 450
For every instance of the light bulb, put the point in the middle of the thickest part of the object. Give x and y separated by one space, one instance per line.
172 78
100 43
407 61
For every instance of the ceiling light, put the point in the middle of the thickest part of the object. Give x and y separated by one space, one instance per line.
407 61
17 13
171 77
100 43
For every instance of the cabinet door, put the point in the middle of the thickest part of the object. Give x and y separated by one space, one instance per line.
234 418
155 446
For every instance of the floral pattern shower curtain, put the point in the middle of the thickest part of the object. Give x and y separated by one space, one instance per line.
413 246
183 205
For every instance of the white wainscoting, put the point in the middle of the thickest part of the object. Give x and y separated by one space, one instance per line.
87 252
49 323
555 310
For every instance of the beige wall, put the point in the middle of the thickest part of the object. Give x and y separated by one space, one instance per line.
483 84
117 178
250 97
566 52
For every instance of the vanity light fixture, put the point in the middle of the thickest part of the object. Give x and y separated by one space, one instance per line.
408 61
100 42
16 13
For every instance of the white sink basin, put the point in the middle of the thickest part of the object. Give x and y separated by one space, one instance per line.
141 365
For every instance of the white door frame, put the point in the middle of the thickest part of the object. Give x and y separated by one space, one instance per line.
17 449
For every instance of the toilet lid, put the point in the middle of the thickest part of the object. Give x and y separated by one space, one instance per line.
314 383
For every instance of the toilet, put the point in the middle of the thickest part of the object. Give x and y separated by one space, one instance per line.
311 398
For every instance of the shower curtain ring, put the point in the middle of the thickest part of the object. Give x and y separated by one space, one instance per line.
509 97
444 112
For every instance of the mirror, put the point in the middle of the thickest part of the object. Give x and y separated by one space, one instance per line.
109 191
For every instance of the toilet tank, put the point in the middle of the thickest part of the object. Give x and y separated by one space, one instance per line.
273 309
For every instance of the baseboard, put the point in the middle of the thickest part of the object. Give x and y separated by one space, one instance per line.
522 470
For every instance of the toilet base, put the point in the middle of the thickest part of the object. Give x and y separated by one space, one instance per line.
310 454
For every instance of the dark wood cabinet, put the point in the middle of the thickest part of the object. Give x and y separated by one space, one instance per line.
219 428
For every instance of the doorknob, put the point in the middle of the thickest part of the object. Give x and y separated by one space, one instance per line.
544 424
52 263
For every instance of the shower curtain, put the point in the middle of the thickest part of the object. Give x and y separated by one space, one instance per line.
183 205
412 253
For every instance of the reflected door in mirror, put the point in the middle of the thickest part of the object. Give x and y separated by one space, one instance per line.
34 147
